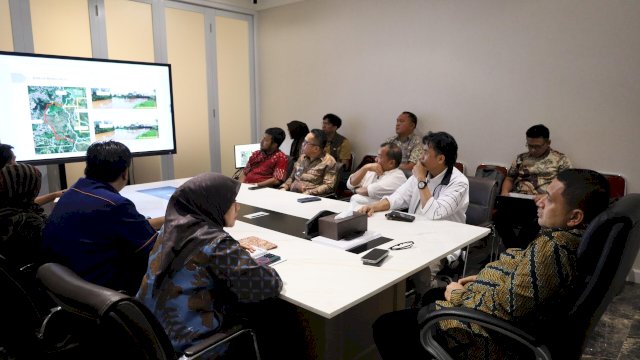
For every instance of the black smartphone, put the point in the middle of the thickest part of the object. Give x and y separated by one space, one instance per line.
256 187
374 256
267 259
398 216
308 199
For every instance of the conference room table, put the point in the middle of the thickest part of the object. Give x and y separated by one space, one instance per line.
338 296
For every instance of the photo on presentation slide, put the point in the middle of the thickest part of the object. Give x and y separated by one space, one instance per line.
60 123
123 130
123 98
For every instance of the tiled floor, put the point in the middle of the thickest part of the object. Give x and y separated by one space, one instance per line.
617 335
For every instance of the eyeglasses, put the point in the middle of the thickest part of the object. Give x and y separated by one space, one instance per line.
534 146
305 143
402 245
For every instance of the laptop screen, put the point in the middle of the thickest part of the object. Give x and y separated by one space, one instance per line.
242 153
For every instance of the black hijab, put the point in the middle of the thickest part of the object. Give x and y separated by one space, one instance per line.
19 186
194 217
297 130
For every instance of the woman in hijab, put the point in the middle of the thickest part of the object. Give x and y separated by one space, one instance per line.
297 131
21 220
198 274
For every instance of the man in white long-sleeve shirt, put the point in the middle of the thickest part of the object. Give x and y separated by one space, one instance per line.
375 180
435 191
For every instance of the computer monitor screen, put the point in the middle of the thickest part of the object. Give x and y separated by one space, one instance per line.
242 153
54 107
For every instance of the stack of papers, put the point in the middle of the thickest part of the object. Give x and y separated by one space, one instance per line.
347 244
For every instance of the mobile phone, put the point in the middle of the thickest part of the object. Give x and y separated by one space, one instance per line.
398 216
374 256
308 199
255 187
267 259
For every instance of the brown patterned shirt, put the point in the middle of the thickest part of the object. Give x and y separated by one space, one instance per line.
316 177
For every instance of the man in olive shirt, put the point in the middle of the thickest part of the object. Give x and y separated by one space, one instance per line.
407 138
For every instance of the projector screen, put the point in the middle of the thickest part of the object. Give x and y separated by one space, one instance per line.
54 107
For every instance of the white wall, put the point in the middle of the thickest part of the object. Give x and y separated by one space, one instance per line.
482 70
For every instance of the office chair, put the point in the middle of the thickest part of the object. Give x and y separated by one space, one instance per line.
112 325
617 186
482 196
22 311
605 256
496 172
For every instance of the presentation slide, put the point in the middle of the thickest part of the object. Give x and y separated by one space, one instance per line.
55 107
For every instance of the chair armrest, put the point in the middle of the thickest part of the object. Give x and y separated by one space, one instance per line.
477 317
211 341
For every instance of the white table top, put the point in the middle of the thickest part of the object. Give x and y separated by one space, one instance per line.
328 280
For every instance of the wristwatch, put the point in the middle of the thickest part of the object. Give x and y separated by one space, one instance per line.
422 184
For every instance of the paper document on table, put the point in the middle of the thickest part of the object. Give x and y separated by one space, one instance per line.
522 196
347 244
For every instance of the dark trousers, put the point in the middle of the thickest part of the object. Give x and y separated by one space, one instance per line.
397 334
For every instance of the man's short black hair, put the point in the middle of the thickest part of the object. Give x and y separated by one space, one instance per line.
412 117
394 152
320 137
277 135
586 190
6 154
107 160
333 119
443 144
538 131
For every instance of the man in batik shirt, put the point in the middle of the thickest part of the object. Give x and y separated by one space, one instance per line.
267 167
315 172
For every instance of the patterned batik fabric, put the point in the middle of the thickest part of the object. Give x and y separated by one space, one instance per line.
411 147
532 175
522 283
263 166
193 302
317 176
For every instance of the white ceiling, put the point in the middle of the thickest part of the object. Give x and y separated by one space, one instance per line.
260 4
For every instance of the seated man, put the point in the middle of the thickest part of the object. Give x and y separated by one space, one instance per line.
337 146
267 167
407 138
375 180
95 231
314 173
436 191
530 174
520 284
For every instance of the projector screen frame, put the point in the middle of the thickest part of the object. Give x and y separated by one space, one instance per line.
135 153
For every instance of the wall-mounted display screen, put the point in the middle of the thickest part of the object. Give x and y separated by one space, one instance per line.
54 107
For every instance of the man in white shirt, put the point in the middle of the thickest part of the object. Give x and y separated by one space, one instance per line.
437 190
382 177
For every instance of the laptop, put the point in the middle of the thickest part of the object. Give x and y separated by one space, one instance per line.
521 210
242 153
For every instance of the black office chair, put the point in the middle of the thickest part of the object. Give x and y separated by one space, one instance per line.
113 325
22 311
605 256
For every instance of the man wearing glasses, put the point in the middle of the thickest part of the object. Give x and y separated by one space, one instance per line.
532 171
530 174
314 173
